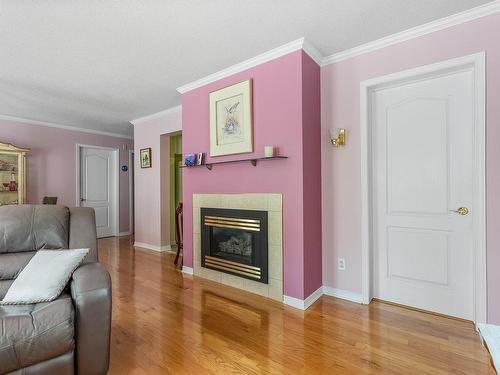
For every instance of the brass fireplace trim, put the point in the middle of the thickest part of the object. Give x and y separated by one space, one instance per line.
255 221
234 223
257 277
239 268
232 263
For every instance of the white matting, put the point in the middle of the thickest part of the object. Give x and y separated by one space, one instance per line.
491 337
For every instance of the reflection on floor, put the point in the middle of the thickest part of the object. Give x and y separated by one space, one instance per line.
165 322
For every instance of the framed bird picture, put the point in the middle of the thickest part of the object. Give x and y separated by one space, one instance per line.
231 119
145 154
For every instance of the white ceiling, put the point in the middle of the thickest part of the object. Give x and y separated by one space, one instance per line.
97 64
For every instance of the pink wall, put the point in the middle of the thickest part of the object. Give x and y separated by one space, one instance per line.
311 142
148 193
278 121
52 161
340 87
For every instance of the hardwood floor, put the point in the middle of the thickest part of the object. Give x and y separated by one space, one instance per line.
165 322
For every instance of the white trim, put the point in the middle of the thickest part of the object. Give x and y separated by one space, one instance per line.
476 62
187 270
255 61
343 294
65 127
131 188
116 177
123 234
312 52
148 246
415 32
490 338
303 304
156 115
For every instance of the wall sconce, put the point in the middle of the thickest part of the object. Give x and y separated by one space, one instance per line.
337 137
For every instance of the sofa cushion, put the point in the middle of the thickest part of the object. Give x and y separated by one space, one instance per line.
30 334
30 227
11 264
4 287
45 276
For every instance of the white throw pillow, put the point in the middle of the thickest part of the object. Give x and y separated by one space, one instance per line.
44 277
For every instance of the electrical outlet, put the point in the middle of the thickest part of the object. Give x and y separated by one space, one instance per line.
341 264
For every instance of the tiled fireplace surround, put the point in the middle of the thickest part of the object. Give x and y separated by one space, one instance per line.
272 203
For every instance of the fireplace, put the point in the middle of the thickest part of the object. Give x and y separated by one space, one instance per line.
235 242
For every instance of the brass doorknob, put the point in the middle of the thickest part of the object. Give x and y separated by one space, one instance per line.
461 211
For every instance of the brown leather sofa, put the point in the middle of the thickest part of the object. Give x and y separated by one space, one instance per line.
70 335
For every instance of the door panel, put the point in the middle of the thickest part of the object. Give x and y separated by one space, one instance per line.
408 157
422 170
97 187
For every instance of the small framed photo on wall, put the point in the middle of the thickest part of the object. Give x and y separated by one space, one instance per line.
145 157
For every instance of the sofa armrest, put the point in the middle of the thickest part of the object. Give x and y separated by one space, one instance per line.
91 294
82 231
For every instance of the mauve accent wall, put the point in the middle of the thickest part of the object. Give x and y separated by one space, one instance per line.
340 97
52 161
280 115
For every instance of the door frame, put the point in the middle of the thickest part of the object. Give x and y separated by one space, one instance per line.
116 179
475 63
131 188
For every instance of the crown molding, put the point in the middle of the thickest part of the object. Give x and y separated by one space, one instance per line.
254 61
65 127
415 32
156 115
313 52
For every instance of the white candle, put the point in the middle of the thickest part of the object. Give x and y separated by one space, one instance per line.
268 151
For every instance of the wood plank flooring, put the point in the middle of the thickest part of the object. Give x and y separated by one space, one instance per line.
165 322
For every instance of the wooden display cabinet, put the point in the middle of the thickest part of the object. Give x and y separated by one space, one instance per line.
12 174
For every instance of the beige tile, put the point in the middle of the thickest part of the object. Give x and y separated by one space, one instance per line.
275 225
256 287
210 200
210 275
231 280
255 202
275 289
234 201
275 257
196 220
197 250
196 200
275 202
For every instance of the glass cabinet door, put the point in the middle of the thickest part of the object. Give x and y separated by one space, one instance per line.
12 174
9 182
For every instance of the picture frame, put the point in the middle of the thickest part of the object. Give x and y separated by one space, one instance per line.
231 116
145 155
200 158
190 160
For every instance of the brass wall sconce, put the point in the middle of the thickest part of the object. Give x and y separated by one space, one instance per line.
337 137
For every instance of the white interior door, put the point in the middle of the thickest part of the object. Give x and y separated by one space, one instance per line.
423 158
98 187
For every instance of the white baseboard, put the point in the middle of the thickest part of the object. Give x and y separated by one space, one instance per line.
152 247
303 304
343 294
187 270
171 248
490 337
122 234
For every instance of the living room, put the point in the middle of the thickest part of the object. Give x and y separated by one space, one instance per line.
318 197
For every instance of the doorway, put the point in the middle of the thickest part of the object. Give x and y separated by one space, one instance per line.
98 186
175 174
423 172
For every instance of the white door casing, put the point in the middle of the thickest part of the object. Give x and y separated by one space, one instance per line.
97 186
422 157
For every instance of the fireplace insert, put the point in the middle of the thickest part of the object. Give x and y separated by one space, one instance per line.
235 242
